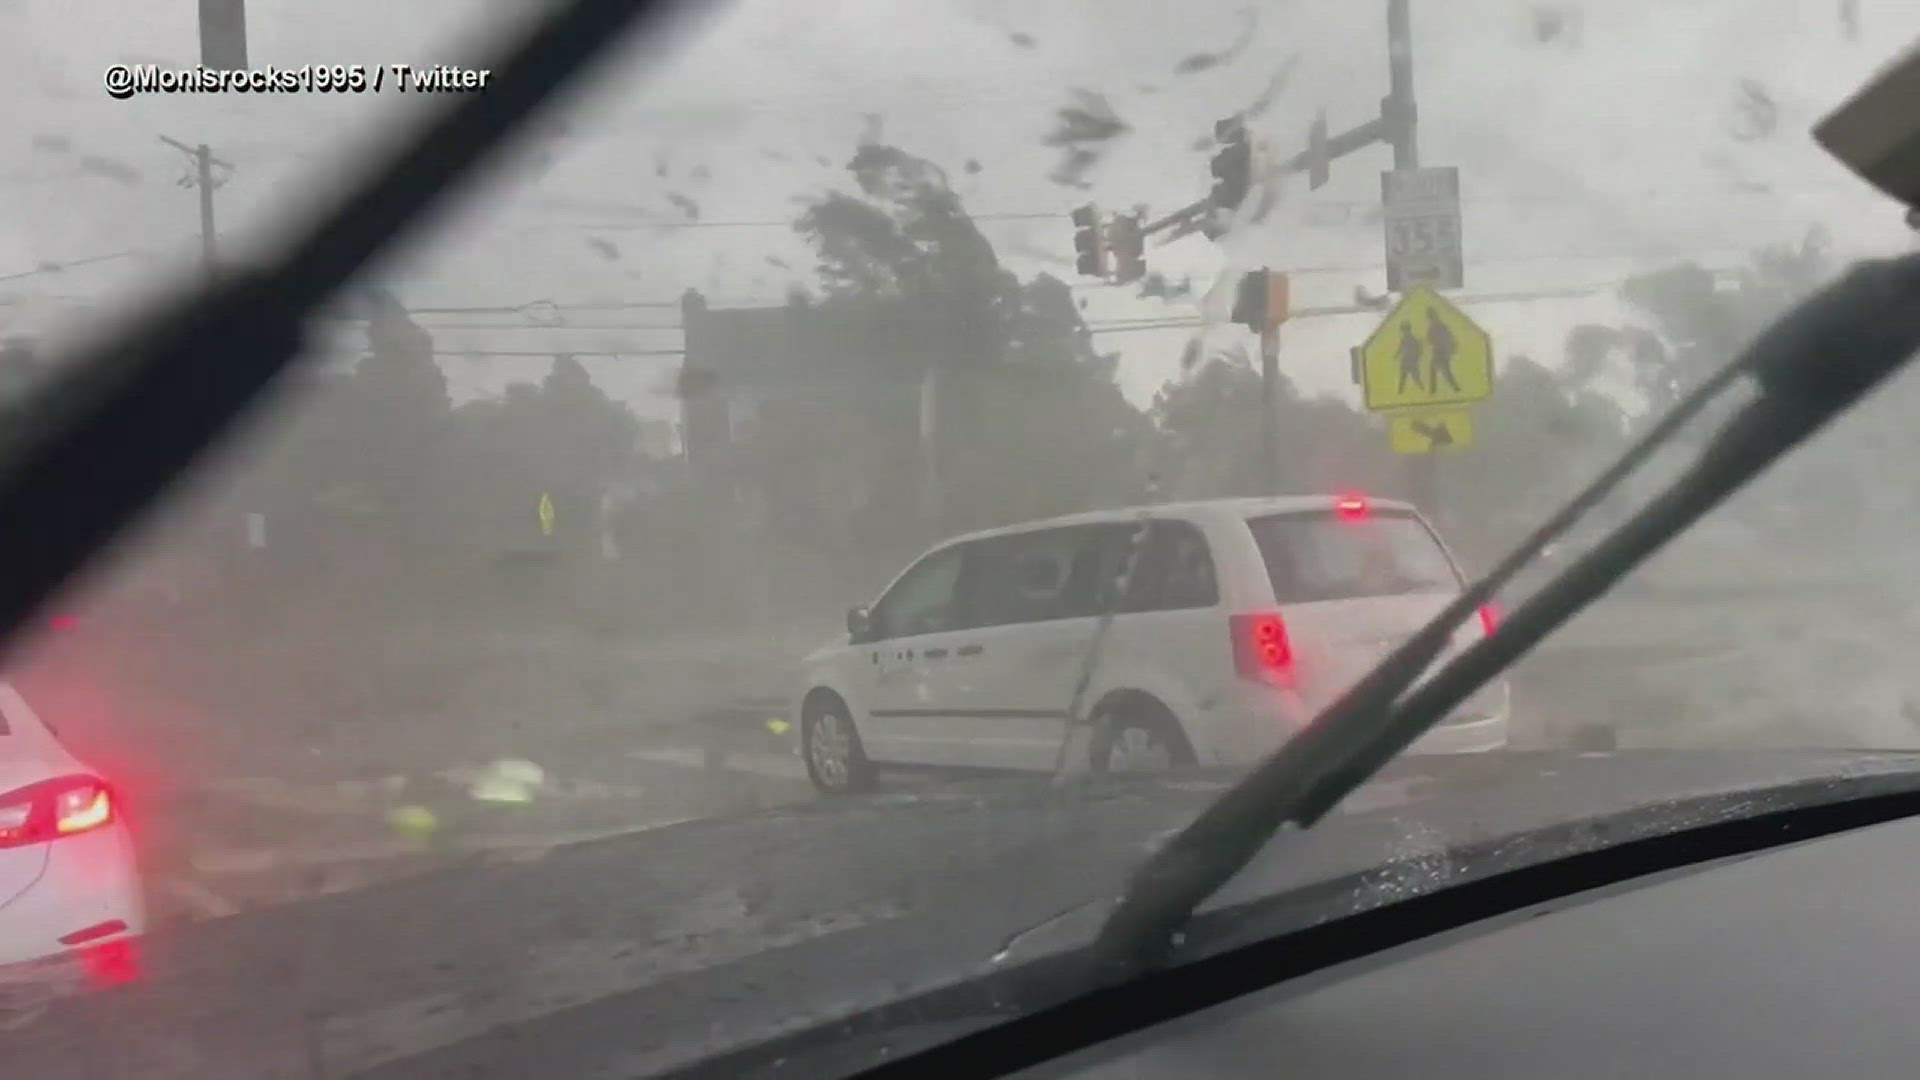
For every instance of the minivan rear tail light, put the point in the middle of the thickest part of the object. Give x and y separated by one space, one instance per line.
51 809
1351 506
1489 617
1261 649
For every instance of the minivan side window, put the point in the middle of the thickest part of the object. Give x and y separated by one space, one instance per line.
926 599
1175 571
1178 569
1035 576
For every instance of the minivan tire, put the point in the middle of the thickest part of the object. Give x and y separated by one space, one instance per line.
1125 721
823 719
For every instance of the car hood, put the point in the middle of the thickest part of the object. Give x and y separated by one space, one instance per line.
726 933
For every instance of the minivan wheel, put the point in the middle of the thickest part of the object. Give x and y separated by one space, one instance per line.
1138 736
836 762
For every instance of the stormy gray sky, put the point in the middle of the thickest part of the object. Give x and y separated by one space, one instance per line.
1594 139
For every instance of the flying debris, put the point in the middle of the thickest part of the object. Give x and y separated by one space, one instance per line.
1756 112
1277 82
1556 24
1082 128
1206 61
1155 286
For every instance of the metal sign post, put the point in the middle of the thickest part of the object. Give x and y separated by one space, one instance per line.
1276 306
1269 406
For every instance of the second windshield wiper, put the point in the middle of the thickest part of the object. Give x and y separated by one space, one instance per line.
1809 367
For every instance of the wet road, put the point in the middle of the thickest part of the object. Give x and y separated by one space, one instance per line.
608 867
231 833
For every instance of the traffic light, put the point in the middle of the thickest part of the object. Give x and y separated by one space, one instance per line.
1250 301
1090 248
1128 247
1232 164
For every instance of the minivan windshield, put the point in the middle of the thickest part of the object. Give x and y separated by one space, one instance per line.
1323 555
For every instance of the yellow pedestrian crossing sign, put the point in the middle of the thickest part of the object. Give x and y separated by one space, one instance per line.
1428 432
546 514
1426 352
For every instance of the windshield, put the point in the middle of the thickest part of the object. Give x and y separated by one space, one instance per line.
846 485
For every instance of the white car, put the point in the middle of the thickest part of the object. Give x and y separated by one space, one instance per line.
71 905
1242 619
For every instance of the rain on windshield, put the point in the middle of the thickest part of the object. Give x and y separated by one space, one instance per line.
702 463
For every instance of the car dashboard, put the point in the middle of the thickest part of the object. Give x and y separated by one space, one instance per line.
1794 962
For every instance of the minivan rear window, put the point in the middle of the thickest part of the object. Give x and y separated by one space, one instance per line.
1319 555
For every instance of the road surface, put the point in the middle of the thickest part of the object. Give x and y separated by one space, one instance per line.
236 824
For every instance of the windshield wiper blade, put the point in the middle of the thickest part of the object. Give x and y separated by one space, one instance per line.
1809 367
124 419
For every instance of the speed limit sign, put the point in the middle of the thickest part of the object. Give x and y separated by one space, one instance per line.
1422 218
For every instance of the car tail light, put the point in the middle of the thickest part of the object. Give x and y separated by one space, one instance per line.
1490 618
1261 650
112 963
1350 507
54 808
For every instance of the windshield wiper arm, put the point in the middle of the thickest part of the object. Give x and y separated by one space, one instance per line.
1810 366
123 419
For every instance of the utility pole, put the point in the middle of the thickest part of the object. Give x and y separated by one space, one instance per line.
203 162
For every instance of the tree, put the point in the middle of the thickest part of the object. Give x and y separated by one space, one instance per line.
563 438
1542 436
1028 418
355 470
1694 322
1209 422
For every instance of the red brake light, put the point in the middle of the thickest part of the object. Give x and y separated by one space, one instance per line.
51 809
1261 650
1489 618
1351 507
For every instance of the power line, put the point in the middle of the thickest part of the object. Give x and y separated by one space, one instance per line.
550 354
57 267
1121 326
768 223
522 328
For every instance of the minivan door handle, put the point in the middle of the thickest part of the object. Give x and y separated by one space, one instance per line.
972 650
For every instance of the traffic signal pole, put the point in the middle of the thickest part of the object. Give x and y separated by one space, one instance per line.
1270 407
1401 119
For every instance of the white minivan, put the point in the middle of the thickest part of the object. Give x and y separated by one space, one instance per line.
1242 619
